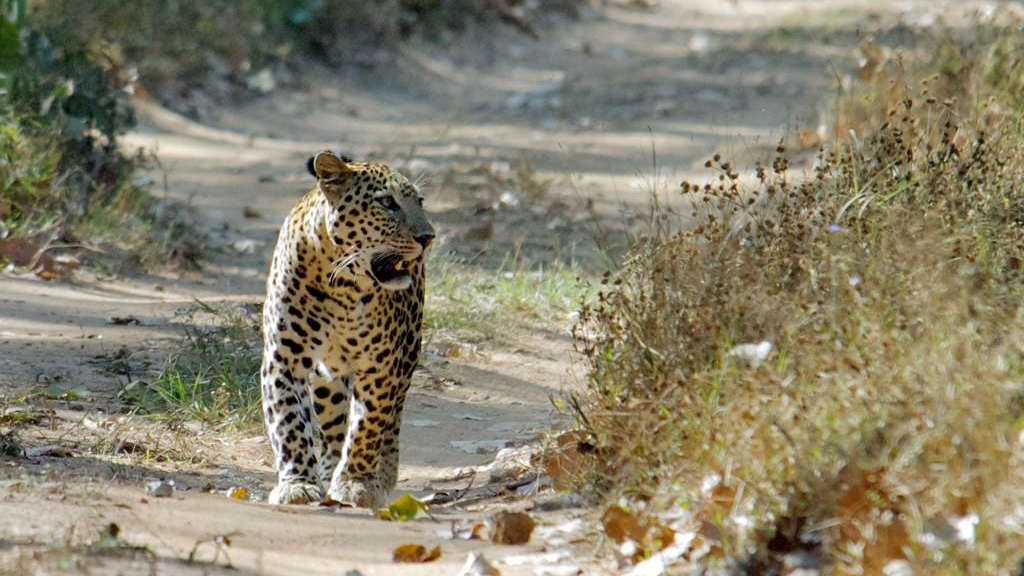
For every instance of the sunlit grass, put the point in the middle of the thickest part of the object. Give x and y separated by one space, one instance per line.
213 375
515 296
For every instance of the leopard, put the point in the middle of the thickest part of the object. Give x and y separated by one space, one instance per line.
342 331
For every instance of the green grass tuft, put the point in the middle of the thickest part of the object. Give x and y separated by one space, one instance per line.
213 376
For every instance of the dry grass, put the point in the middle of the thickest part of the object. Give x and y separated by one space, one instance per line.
889 408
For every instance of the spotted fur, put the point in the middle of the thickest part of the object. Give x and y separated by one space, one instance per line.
341 329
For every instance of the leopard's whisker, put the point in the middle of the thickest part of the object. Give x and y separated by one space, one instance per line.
349 258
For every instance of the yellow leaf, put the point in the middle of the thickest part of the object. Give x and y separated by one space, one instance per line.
404 508
238 493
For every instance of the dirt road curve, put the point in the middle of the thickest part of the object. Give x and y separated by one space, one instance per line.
583 107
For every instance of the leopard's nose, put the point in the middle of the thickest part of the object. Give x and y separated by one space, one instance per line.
425 239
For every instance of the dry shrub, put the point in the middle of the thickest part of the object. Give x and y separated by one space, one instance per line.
888 411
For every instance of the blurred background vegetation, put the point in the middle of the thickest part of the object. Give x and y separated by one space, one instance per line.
69 69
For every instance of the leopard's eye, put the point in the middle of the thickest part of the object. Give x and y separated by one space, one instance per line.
388 202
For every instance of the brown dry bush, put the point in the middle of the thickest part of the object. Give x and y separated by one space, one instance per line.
889 409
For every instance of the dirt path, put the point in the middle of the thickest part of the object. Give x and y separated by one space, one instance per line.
578 111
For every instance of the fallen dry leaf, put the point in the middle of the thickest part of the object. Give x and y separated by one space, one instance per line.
621 525
47 269
701 547
659 537
511 528
637 539
723 497
710 531
21 251
416 553
870 516
565 461
29 252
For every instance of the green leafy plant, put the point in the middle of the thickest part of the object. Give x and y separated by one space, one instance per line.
63 174
12 14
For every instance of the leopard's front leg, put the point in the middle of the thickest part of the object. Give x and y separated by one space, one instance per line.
356 479
288 415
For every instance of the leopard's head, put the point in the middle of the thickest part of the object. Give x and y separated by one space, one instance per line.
374 219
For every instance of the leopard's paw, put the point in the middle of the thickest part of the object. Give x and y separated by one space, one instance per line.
358 493
296 492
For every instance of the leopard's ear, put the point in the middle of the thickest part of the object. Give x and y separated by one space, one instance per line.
326 166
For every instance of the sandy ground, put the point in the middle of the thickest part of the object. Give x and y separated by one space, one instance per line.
602 109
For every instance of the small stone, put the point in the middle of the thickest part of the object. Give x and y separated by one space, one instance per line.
52 450
422 423
263 81
160 488
552 502
509 199
477 565
751 355
478 446
517 101
245 246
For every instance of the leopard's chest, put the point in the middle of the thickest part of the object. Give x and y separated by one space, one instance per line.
374 331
